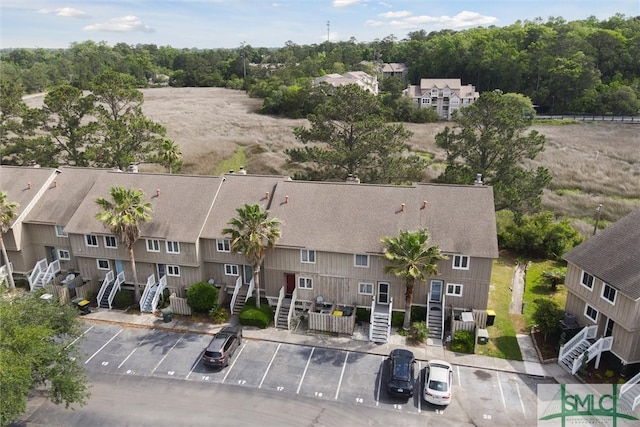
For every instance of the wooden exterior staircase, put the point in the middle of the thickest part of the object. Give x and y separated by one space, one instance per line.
583 348
380 323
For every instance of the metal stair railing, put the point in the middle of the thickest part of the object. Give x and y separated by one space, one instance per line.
162 285
627 386
279 306
588 332
294 296
105 284
603 344
145 294
235 293
442 316
116 288
389 318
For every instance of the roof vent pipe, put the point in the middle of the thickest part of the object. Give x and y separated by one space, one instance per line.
266 196
157 192
402 207
286 199
28 186
478 180
424 204
55 184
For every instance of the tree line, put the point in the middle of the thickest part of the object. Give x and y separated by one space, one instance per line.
584 66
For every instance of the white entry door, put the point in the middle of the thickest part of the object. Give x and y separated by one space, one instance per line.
383 293
435 294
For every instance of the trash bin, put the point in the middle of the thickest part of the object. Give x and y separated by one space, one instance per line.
483 336
167 315
491 317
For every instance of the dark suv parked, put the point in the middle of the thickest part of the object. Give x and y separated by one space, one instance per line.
222 346
401 373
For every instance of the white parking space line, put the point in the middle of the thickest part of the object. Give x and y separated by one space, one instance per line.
165 356
458 370
501 392
520 397
305 370
419 388
81 335
196 364
269 366
379 381
131 354
344 365
235 358
100 349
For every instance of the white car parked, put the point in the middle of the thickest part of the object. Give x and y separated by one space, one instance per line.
438 378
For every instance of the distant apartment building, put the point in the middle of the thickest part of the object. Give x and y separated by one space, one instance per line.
360 78
443 95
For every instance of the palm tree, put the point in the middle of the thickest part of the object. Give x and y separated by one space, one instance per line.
8 211
169 154
252 233
124 216
409 257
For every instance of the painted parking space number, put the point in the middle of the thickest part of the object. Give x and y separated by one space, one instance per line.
279 388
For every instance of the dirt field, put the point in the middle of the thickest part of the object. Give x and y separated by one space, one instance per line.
591 163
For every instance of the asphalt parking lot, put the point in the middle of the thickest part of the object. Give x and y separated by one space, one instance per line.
480 397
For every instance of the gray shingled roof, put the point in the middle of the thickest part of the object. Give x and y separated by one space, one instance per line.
179 212
235 192
61 199
352 218
613 255
15 181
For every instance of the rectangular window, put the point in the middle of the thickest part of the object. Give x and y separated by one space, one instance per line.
231 270
305 283
307 256
103 264
454 290
224 245
460 262
426 100
365 288
64 255
434 92
153 245
60 231
587 280
173 247
591 313
173 270
608 293
91 240
361 261
110 242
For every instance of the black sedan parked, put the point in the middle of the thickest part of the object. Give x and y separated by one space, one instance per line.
401 373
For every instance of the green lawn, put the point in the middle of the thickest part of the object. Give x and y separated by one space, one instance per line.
502 342
238 159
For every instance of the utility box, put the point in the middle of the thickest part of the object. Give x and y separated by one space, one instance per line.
483 336
167 315
491 317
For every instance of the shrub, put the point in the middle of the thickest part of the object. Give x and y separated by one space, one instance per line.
609 373
363 314
419 331
250 315
123 299
463 342
219 315
202 297
397 318
547 316
418 313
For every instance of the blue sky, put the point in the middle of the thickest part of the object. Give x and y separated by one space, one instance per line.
262 23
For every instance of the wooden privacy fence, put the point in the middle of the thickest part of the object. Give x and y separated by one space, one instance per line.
88 290
61 293
179 305
479 320
330 322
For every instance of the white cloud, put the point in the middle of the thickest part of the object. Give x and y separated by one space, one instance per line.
399 14
276 4
66 12
384 4
372 23
345 3
125 24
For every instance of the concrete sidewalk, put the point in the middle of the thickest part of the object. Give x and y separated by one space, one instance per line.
358 342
